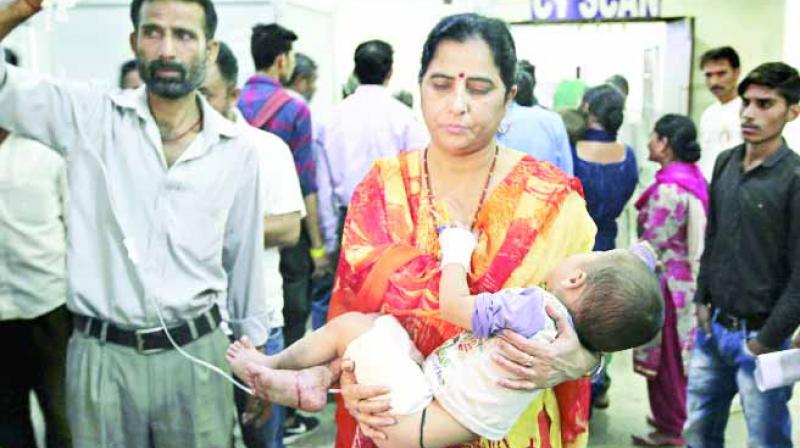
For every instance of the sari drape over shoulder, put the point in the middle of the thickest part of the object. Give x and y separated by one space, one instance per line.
389 264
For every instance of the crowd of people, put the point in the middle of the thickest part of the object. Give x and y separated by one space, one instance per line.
462 273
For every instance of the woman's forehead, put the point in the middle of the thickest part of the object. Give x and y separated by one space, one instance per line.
472 57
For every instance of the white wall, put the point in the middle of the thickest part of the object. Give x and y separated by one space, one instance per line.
93 41
791 55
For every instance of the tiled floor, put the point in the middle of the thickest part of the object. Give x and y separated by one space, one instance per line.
609 428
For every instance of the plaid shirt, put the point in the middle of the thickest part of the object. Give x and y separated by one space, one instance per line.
292 123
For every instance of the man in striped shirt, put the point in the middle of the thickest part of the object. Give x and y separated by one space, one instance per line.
267 105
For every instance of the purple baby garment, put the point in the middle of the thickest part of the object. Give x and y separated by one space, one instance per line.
520 310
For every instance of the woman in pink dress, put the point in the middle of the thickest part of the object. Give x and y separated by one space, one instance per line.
672 217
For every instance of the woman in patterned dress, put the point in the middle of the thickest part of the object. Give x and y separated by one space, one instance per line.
672 217
528 214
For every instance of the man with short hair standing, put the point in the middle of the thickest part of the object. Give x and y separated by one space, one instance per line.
34 322
368 125
165 221
534 130
267 105
748 291
719 125
284 208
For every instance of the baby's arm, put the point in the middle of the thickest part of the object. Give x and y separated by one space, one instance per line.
519 310
456 304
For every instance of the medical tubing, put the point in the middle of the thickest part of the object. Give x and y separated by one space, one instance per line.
152 299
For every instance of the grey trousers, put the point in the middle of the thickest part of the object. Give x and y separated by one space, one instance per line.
118 397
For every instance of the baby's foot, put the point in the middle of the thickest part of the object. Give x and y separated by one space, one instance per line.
240 354
306 389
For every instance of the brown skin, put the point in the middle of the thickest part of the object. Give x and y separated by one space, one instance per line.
173 31
660 151
721 79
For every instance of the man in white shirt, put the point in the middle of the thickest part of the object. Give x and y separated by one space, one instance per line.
34 322
283 207
720 127
368 125
165 221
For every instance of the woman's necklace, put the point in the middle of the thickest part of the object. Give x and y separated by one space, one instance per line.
426 174
184 133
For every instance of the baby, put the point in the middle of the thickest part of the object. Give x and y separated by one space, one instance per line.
612 299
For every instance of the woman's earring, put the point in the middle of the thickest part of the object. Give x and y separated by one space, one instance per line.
504 127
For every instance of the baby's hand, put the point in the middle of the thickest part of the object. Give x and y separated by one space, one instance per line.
457 243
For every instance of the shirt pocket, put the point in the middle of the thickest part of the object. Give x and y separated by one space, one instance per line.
197 224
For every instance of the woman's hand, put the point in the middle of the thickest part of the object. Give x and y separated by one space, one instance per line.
359 400
536 364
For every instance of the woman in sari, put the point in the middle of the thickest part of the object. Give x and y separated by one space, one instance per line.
527 213
672 217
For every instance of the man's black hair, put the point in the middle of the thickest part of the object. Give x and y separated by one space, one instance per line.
719 54
304 67
228 65
210 27
268 42
775 75
524 89
373 59
124 69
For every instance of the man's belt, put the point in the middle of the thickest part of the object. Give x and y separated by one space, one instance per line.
732 322
150 340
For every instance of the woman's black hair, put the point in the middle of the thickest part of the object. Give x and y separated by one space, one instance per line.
462 27
681 134
606 104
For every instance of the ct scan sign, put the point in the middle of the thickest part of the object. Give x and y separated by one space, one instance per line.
594 9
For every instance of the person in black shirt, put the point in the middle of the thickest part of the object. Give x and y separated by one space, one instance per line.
748 293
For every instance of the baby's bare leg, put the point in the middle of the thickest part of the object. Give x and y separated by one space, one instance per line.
441 430
325 344
299 377
316 348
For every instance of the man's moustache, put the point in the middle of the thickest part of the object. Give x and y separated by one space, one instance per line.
156 66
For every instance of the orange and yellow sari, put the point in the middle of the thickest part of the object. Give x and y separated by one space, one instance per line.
390 264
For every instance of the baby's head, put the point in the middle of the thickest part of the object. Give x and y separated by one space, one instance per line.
614 297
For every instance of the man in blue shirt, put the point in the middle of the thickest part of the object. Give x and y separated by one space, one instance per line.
533 129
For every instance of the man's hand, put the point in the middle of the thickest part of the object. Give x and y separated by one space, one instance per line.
256 412
756 348
322 266
703 314
15 12
796 339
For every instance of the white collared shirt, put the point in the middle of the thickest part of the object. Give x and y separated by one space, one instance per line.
33 203
282 195
720 129
368 125
186 235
